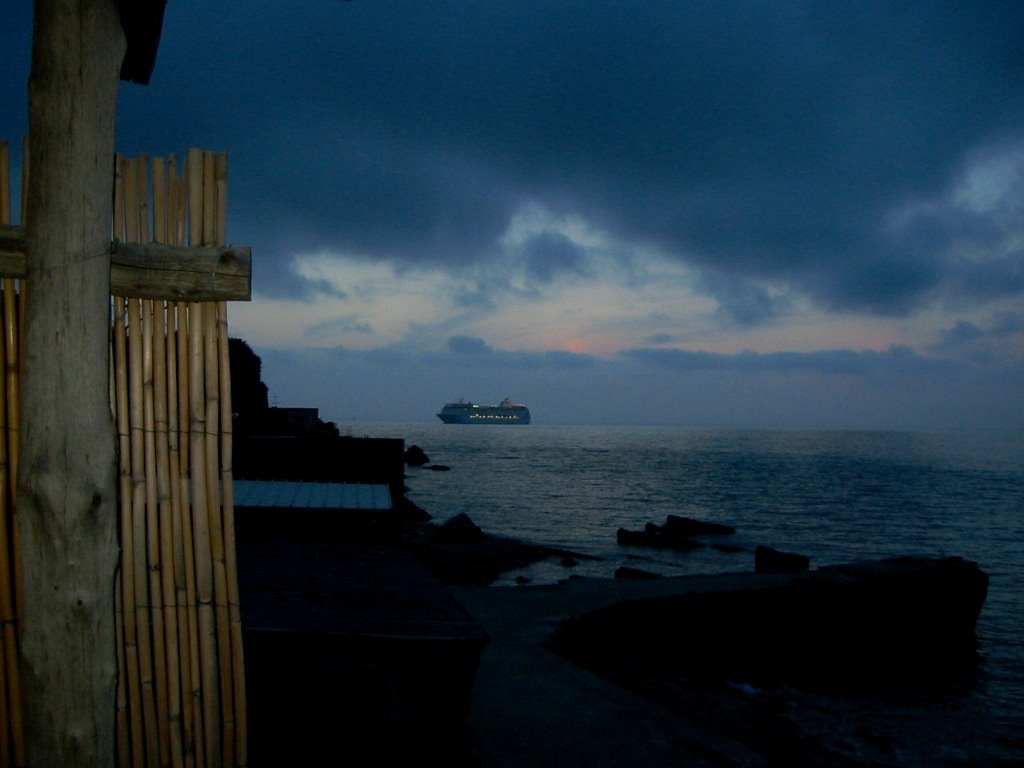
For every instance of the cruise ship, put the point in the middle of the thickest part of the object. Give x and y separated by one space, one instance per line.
505 412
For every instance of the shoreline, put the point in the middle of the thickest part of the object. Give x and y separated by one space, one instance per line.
465 556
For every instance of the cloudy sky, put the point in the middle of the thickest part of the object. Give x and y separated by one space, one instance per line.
798 214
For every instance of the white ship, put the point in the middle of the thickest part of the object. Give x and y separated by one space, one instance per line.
505 412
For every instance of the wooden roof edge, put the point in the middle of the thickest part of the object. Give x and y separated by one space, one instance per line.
142 22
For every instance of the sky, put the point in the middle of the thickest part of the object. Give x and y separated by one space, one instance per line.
706 213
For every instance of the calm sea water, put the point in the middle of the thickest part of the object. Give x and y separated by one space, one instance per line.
835 496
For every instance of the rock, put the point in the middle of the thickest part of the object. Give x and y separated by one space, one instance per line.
439 467
570 562
676 525
460 529
902 621
656 538
625 572
675 534
523 579
415 456
768 560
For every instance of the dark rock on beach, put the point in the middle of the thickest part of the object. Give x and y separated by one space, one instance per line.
676 533
655 540
460 530
416 456
768 560
908 619
676 525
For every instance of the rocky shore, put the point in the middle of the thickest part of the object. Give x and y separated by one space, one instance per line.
735 669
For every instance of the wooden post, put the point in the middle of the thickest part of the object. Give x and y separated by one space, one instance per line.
66 478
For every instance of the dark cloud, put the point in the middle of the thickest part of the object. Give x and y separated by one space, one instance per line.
468 345
761 143
741 301
988 341
551 254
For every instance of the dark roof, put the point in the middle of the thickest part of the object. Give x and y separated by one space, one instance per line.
304 495
142 21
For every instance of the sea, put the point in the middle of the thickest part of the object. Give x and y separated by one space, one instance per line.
834 496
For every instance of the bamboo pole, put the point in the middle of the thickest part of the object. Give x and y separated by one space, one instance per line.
131 738
190 229
212 449
136 403
201 532
209 199
167 540
153 547
162 217
160 213
133 734
195 705
216 525
184 576
197 451
234 603
227 487
194 702
165 508
138 231
138 528
177 398
117 357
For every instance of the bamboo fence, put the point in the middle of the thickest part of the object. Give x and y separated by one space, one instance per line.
181 685
181 695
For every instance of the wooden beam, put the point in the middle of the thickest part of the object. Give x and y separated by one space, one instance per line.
154 271
205 273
